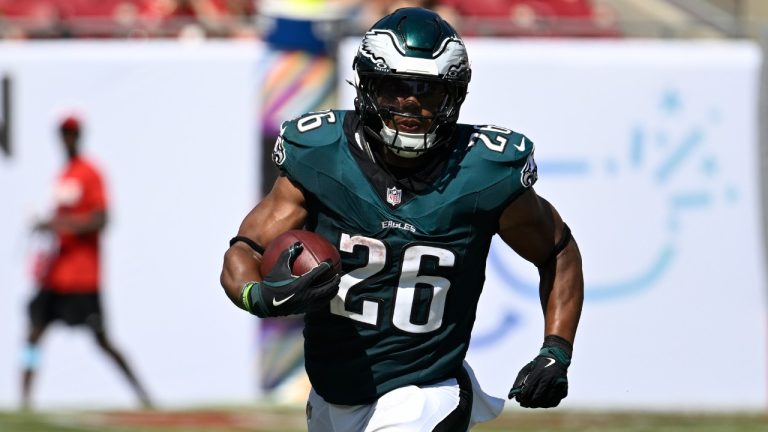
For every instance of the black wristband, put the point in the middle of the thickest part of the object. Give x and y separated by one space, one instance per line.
556 341
252 244
565 239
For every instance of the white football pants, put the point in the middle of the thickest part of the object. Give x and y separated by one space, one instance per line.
406 409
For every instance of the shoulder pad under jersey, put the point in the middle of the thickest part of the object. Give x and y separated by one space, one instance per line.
314 129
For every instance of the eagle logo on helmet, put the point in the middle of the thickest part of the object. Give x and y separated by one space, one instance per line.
376 46
452 56
383 49
456 69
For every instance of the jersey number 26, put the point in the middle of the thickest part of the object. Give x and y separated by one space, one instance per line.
406 300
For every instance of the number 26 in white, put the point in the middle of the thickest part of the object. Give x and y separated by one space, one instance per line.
315 120
501 141
405 298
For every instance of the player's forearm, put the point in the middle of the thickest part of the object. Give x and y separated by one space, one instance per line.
80 225
241 265
563 294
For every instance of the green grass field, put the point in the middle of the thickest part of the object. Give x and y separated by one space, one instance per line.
269 419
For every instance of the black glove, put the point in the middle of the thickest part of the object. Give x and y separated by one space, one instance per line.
281 293
543 382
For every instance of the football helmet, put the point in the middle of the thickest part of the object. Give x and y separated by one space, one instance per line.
412 72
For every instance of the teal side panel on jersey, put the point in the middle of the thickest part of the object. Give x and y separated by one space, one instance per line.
413 273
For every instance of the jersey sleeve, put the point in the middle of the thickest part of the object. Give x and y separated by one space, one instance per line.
512 150
304 133
308 145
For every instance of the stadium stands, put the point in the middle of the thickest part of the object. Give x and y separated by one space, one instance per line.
35 19
533 18
121 18
224 18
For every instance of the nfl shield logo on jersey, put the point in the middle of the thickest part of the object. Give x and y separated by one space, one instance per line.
394 195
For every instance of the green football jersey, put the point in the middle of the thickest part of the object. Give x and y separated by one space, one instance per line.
413 251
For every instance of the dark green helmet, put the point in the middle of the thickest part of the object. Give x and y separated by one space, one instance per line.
411 51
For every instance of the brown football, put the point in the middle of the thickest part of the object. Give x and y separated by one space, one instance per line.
316 250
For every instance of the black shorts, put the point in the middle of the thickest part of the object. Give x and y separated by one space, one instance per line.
73 309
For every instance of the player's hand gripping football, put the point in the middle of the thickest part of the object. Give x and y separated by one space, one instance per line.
543 382
281 293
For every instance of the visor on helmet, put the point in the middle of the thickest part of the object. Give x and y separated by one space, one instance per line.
398 94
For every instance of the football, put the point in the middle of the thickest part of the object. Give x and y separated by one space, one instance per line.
316 250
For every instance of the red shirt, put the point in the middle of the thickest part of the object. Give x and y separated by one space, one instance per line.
79 193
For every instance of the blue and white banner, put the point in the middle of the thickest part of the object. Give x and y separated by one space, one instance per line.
649 150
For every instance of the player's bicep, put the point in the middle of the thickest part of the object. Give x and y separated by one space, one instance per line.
281 210
531 226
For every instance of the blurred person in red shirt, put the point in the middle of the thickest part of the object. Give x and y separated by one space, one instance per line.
69 279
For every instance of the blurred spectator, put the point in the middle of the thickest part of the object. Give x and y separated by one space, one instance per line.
530 17
368 12
33 19
311 26
238 17
69 277
126 19
181 17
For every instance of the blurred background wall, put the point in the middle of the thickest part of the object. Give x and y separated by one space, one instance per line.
648 119
173 129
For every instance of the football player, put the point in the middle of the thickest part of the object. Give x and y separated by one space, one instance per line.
412 200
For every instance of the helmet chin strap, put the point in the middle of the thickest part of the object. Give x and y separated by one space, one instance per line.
407 145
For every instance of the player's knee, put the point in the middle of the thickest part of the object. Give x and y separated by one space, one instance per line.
34 337
30 357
